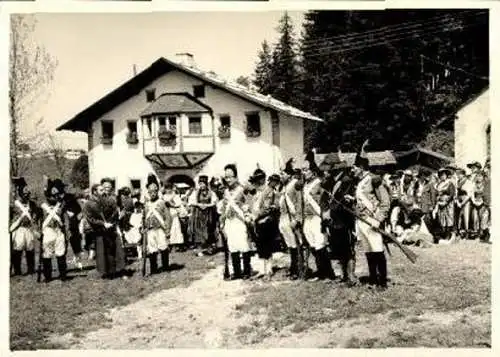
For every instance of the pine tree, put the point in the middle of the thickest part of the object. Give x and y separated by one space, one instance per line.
263 70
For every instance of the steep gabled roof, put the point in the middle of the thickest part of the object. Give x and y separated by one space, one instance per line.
82 121
174 103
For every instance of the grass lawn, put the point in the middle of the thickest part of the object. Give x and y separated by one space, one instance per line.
444 300
80 305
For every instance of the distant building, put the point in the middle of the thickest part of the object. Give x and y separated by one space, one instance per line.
473 130
179 121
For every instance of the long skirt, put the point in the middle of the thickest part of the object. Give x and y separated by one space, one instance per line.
110 254
237 236
266 238
203 224
176 236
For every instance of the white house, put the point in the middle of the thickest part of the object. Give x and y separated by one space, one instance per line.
178 121
472 130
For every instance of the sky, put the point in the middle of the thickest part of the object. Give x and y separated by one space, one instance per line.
96 52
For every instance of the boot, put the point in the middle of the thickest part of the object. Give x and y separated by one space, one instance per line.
16 261
381 262
153 263
165 260
47 269
235 259
328 272
319 265
350 269
247 268
62 266
294 263
30 261
372 268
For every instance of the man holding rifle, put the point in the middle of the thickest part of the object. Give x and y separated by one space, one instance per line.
372 206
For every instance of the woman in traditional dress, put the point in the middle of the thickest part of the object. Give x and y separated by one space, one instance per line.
203 202
174 203
480 211
444 211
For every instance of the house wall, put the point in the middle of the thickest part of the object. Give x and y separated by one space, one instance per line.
471 125
124 162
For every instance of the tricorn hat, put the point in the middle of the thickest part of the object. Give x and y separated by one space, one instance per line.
203 178
19 182
274 178
474 164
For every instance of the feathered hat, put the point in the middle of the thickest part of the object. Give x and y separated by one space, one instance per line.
19 182
312 162
52 185
257 175
152 180
289 167
274 178
361 159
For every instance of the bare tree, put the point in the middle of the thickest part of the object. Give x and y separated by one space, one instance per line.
31 69
57 154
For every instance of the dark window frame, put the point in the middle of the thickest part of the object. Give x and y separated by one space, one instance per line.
103 131
199 91
253 129
150 95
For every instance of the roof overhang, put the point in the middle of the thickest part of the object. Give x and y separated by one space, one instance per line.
83 120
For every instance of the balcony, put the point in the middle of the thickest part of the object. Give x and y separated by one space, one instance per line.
177 132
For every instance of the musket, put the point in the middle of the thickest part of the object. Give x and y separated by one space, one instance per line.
412 257
226 250
303 248
144 241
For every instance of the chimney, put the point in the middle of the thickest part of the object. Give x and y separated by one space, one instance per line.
134 69
186 59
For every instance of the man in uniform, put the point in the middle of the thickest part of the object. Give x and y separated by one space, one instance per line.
372 205
341 222
55 226
74 212
289 204
234 223
24 228
158 226
312 212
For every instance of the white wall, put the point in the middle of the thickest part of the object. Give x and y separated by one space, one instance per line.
123 161
470 131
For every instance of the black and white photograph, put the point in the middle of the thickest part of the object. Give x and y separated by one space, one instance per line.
261 179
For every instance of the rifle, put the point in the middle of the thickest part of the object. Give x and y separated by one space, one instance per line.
302 245
144 237
297 233
226 250
406 251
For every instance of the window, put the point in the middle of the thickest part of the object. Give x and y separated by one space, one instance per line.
132 137
253 124
195 125
148 129
225 121
132 127
488 141
162 122
199 91
107 132
150 95
172 123
136 184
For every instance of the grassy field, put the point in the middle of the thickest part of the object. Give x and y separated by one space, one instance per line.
80 305
442 301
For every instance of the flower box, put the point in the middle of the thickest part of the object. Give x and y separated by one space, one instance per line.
107 141
167 137
252 133
132 139
224 132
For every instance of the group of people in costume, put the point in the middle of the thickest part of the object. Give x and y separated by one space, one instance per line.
325 211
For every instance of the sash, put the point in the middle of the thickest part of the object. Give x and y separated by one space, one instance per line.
232 204
360 194
51 215
309 199
24 213
154 212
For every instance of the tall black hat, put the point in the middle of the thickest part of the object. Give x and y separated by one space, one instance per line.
361 159
312 162
19 182
203 178
152 180
289 167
